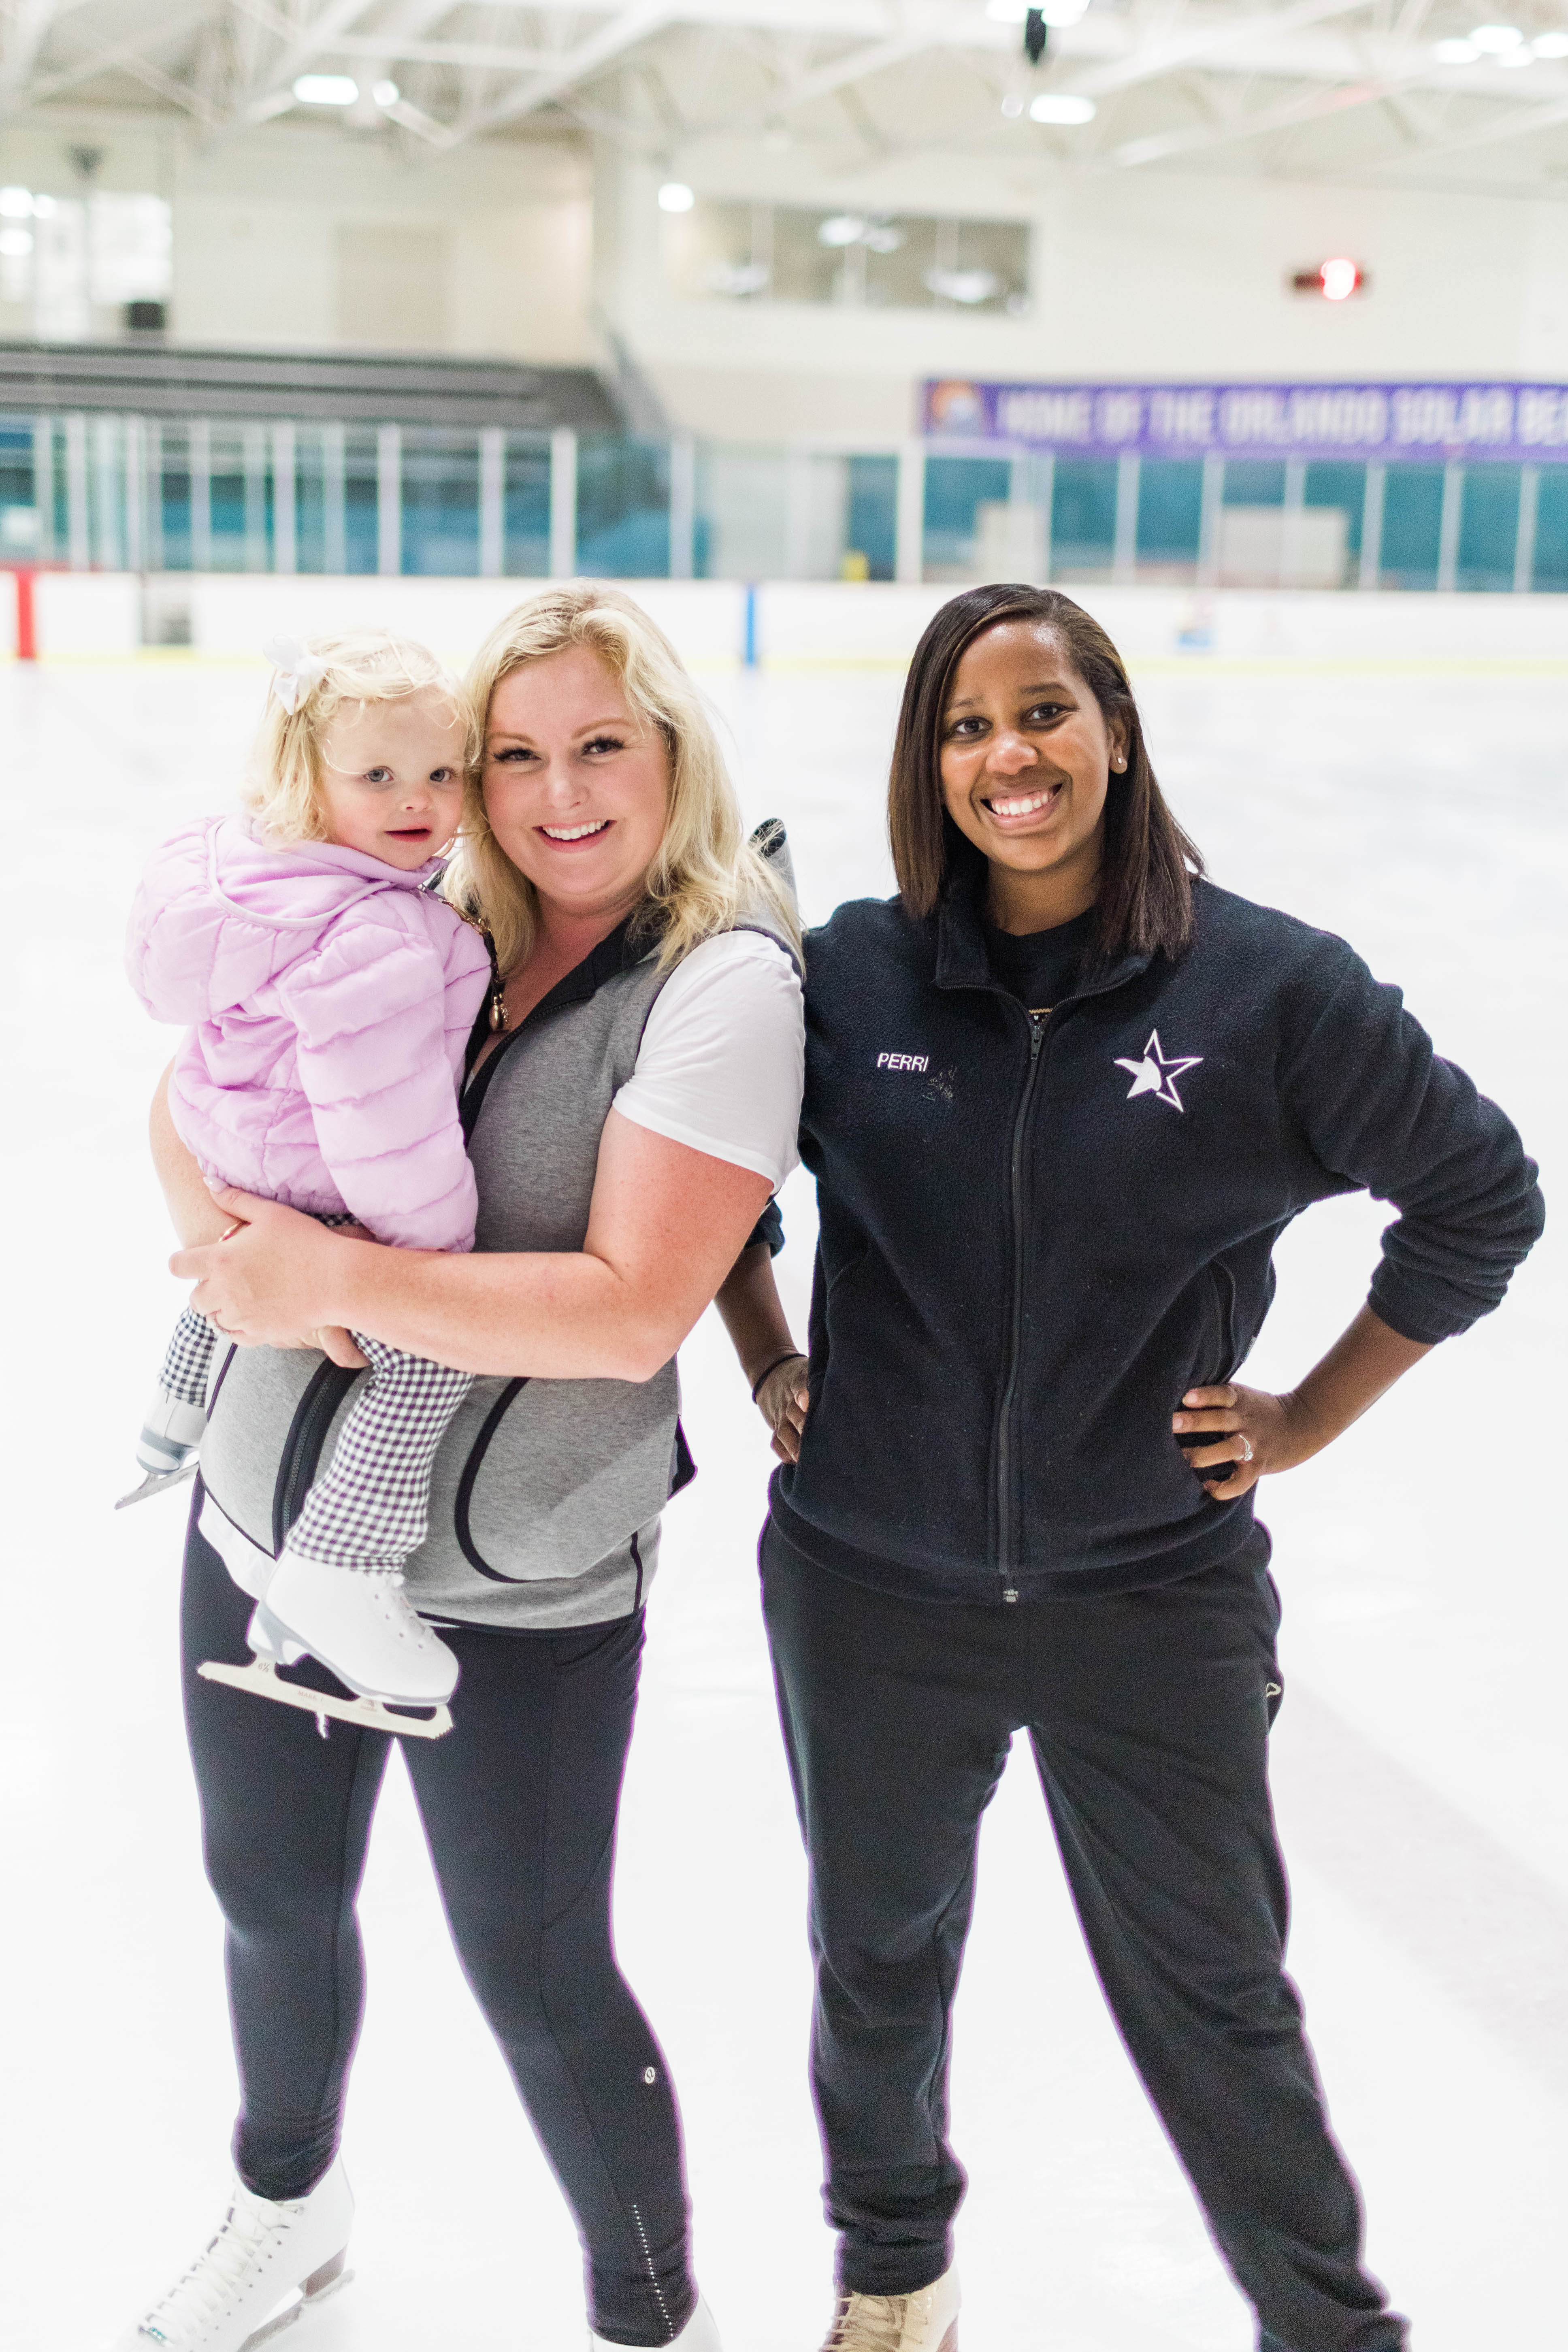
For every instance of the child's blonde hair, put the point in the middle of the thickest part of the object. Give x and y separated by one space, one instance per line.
359 666
705 875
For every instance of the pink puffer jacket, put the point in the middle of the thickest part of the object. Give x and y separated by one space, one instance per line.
329 1001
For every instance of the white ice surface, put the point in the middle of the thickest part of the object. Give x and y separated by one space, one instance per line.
1420 1756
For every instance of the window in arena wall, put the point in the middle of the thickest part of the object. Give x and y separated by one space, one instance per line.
856 260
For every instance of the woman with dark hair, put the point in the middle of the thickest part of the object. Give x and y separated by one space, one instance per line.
1062 1097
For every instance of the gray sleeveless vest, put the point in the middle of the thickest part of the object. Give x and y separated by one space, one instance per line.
545 1501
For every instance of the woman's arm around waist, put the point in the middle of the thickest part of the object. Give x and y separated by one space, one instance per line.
684 1170
194 1213
666 1225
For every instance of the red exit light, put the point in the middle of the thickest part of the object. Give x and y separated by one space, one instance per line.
1334 280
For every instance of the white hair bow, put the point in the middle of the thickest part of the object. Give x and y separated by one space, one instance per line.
295 670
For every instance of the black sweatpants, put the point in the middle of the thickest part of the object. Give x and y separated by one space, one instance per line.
1149 1715
519 1805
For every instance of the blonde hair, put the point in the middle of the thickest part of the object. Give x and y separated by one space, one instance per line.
349 666
705 874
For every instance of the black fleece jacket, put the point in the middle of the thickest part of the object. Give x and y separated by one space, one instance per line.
1037 1234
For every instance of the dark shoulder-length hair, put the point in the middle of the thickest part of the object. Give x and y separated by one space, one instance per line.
1145 902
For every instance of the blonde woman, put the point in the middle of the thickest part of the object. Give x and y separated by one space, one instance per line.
631 1107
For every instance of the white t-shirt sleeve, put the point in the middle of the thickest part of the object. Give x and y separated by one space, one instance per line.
722 1059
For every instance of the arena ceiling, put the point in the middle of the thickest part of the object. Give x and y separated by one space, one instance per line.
1378 90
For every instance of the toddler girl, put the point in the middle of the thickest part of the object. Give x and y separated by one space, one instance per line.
331 994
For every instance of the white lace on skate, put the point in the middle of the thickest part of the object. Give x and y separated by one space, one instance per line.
401 1615
218 2279
358 1622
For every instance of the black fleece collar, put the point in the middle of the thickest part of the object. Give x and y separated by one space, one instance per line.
961 961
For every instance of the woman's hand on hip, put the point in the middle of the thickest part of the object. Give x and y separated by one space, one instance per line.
1276 1432
1252 1432
262 1283
782 1401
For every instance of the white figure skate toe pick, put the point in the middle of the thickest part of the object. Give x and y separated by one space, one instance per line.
267 2265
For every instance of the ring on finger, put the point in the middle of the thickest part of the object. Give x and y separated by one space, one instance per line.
1247 1449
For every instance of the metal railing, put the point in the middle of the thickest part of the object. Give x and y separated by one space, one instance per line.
102 491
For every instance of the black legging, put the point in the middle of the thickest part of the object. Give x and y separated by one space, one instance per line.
519 1805
1149 1715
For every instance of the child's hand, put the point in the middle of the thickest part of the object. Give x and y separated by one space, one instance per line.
783 1400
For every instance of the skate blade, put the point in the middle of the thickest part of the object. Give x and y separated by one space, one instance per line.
261 1678
332 2275
154 1483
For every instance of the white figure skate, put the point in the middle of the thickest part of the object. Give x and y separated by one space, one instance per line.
267 2265
166 1450
926 2321
359 1627
701 2333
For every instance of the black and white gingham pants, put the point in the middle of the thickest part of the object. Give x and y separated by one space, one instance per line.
371 1507
187 1367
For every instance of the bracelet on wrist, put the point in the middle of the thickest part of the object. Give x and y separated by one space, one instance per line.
789 1356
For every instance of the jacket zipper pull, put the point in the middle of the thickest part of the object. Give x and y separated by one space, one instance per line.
1036 1033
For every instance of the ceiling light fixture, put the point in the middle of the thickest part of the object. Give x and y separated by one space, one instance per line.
1550 44
1495 41
1058 107
385 93
675 196
963 285
326 90
844 229
739 277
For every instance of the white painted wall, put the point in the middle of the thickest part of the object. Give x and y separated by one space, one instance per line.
1136 274
1141 274
258 249
259 226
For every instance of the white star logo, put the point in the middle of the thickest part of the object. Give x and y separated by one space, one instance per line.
1157 1071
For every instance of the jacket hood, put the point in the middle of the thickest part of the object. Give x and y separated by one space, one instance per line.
221 909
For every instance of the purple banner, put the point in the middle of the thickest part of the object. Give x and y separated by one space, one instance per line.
1512 422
